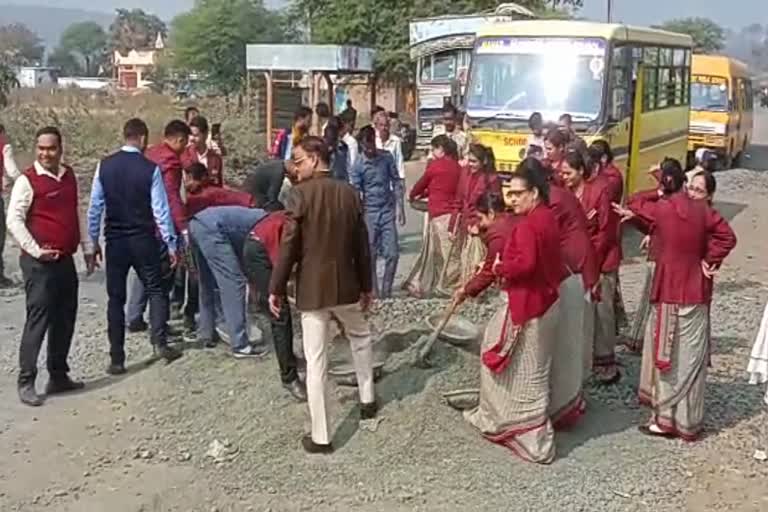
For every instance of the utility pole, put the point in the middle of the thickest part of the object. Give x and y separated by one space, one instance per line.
610 10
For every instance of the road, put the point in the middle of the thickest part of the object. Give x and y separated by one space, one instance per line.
140 443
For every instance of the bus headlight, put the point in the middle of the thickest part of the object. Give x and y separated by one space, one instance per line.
720 129
427 126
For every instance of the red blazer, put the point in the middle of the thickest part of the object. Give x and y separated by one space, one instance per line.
637 203
215 164
602 224
216 196
615 181
687 232
471 187
171 169
575 245
438 184
531 265
495 237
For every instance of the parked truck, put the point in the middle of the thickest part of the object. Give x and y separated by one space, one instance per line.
441 47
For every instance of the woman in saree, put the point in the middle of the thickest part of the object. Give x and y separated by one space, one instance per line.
572 358
693 241
701 187
467 250
515 360
438 185
603 227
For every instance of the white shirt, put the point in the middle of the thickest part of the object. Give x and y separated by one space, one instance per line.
457 135
395 146
11 169
21 200
203 158
351 143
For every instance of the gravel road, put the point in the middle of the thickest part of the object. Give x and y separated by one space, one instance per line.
209 433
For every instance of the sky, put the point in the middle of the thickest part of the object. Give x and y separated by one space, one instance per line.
732 14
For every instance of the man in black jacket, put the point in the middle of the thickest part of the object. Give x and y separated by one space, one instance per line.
265 182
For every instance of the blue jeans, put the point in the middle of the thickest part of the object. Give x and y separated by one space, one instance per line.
382 237
219 267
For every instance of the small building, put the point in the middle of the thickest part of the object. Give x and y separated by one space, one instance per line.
36 76
132 68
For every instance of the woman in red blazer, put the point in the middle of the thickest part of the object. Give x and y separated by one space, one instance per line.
514 375
693 241
603 227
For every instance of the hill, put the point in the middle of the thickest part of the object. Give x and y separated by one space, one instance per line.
50 22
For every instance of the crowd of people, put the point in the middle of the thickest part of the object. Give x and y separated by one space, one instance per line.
324 210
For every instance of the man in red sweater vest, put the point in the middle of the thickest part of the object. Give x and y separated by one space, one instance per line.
198 151
45 219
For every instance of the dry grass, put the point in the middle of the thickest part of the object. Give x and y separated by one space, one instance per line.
91 124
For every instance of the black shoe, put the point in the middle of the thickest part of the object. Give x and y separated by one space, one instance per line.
168 353
312 447
6 282
368 411
296 389
173 331
189 324
138 326
28 395
116 369
62 384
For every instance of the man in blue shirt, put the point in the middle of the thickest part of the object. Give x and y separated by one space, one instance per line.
129 188
218 236
376 177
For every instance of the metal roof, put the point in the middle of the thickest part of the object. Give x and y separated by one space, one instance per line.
309 57
613 32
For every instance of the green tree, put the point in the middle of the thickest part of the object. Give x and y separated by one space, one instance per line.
135 29
87 40
8 82
210 39
708 36
66 62
19 46
383 24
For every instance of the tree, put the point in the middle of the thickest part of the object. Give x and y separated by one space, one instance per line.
210 39
65 61
708 36
19 46
8 81
383 24
135 29
87 40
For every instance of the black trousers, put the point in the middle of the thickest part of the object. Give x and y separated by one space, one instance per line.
143 253
51 290
258 269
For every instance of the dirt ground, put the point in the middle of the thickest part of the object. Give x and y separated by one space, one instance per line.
141 442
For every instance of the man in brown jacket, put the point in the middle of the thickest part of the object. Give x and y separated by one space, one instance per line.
327 240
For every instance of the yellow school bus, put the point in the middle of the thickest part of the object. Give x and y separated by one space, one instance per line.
627 85
722 104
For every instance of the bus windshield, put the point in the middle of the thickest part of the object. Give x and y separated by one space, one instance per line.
439 68
513 77
709 93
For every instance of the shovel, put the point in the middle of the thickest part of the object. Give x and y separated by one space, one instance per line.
427 342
